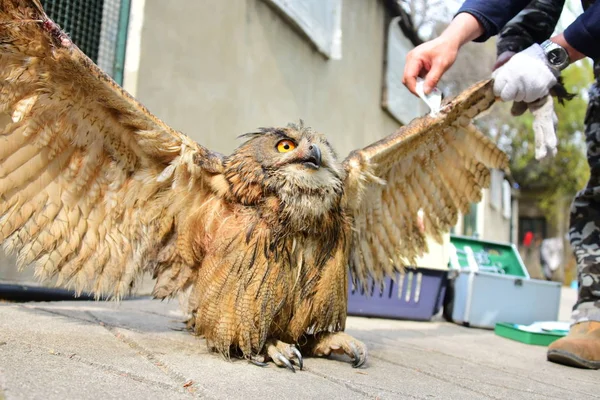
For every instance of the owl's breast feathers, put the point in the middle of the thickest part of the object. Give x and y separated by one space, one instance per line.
259 278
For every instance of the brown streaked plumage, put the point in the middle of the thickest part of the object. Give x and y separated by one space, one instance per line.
96 191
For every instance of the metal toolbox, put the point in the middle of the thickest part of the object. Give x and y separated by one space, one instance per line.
488 283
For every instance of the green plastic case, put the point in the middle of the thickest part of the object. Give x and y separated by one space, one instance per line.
502 256
511 331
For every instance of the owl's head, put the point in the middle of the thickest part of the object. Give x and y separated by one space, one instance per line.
295 164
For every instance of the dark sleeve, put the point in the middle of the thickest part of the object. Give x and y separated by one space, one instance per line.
492 14
532 25
584 33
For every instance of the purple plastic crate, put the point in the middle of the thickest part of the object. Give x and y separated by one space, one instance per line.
417 294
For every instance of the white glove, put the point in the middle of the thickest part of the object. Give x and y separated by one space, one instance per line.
544 126
525 77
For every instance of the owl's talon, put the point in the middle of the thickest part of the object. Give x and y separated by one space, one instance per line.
258 363
283 354
355 356
298 357
285 361
340 343
359 359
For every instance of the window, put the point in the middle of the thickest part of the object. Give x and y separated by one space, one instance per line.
470 221
506 199
97 27
319 20
397 99
82 22
497 177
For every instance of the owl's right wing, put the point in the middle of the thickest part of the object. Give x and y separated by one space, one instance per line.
414 182
94 190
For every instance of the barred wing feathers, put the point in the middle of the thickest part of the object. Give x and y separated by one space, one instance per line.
92 186
414 182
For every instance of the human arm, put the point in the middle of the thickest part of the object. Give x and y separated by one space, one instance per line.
527 79
531 73
574 54
493 15
537 22
584 33
534 24
435 57
475 20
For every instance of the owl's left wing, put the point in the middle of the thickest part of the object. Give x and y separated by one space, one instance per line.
413 183
94 189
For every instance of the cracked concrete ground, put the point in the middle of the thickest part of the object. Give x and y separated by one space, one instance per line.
137 350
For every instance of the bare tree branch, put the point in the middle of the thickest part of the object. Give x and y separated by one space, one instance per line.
406 22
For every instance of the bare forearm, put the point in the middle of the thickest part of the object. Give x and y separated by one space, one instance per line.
463 28
574 55
433 58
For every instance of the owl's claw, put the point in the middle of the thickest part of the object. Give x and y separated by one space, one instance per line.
298 357
257 362
284 361
341 343
284 354
358 359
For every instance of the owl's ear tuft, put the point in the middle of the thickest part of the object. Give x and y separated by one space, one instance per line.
250 135
262 132
299 126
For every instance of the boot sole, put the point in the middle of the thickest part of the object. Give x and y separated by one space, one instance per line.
570 359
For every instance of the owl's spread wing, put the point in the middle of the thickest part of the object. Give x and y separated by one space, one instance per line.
414 182
92 186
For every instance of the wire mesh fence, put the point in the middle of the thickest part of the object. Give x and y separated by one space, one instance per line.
93 25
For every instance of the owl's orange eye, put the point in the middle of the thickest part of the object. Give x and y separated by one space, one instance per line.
286 145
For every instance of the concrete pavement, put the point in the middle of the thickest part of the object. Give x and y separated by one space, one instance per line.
137 350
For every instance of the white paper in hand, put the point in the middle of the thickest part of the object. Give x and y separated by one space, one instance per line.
433 99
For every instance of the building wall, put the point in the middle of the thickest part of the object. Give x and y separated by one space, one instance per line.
496 226
216 71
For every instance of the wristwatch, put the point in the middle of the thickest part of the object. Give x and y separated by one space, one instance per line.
557 56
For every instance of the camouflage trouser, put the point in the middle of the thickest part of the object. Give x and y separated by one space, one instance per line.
584 232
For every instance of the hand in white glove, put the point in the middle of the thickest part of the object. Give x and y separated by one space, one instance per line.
525 77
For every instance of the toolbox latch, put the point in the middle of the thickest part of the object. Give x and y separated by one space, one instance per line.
518 282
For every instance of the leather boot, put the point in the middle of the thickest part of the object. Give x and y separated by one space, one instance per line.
580 348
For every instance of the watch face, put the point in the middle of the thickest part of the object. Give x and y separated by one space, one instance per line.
557 56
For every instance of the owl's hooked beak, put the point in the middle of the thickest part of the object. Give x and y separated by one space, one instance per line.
313 159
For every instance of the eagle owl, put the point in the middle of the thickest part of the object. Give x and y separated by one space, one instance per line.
95 191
